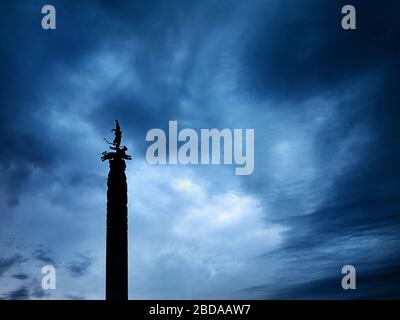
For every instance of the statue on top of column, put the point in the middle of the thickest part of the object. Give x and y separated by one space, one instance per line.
120 152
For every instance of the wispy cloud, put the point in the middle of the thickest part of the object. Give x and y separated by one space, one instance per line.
10 262
80 267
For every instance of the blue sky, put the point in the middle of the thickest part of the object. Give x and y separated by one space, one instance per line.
324 105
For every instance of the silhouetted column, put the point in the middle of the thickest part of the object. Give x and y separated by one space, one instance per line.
117 233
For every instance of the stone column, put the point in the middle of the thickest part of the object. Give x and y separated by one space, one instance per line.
117 233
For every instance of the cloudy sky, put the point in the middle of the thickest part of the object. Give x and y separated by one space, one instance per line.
324 104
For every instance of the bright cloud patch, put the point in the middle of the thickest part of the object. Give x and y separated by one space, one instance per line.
194 238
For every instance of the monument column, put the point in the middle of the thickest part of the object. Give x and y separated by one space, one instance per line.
117 233
117 222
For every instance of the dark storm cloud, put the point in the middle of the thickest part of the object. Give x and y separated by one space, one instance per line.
44 255
157 99
20 276
25 293
8 263
20 123
304 54
80 267
372 214
301 50
23 85
22 293
380 283
95 25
